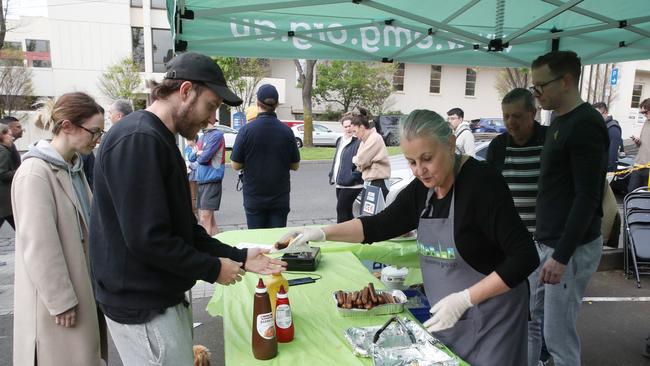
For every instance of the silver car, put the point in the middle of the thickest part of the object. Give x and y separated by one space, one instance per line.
229 134
322 136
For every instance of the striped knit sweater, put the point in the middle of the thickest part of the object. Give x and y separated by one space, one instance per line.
519 166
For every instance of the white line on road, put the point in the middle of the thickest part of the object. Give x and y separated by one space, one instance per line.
616 299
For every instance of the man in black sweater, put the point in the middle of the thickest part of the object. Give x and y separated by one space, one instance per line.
146 248
569 207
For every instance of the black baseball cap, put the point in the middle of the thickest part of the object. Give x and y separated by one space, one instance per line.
194 66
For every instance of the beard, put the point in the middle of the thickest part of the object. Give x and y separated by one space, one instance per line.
185 120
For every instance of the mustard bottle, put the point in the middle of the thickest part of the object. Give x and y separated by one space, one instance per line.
273 283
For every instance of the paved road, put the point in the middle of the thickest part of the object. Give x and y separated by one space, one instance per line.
612 332
312 198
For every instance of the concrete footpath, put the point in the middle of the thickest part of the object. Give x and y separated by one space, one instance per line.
613 322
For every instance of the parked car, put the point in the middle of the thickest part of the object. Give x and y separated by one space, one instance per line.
388 127
488 125
322 135
481 149
229 134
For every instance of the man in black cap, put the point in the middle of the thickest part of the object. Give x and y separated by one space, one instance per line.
266 150
146 248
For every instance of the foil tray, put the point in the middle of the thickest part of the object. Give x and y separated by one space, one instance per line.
383 309
400 342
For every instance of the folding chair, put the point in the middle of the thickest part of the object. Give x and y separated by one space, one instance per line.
636 212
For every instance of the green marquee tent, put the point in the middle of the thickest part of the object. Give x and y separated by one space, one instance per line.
464 32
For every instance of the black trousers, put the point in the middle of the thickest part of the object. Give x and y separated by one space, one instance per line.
345 200
265 219
381 183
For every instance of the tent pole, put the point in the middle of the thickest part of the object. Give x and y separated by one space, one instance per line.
591 29
610 49
264 6
600 17
541 20
457 31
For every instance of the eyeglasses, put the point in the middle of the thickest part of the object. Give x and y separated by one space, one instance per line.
645 113
539 89
95 134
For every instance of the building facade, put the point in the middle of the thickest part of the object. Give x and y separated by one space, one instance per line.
68 45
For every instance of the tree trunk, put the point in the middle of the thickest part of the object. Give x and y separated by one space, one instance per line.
3 22
597 85
306 77
606 79
591 74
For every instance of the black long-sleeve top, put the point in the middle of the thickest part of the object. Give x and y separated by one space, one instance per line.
488 232
146 248
572 181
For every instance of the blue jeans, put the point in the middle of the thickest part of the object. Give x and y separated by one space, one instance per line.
559 304
266 219
164 340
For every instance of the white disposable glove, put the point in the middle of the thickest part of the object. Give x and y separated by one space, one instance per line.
447 311
354 160
298 239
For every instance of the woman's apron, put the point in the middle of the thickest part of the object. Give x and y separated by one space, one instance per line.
494 332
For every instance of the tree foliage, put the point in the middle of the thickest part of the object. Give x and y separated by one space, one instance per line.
510 78
352 84
15 82
120 80
243 75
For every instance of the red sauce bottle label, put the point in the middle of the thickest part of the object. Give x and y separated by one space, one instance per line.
265 326
283 316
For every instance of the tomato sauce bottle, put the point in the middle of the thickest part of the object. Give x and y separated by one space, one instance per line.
283 318
265 345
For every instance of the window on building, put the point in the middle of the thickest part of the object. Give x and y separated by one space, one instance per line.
12 54
162 50
137 47
436 76
398 78
159 4
136 3
38 53
470 82
637 92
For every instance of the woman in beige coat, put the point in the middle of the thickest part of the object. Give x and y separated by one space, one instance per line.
55 316
372 156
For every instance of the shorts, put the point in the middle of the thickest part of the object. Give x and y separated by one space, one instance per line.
209 196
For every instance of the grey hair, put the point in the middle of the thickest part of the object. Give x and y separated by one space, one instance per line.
425 123
518 94
123 106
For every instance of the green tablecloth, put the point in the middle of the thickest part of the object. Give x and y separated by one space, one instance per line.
401 253
319 328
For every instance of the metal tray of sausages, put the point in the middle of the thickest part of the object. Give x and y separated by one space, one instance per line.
382 309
